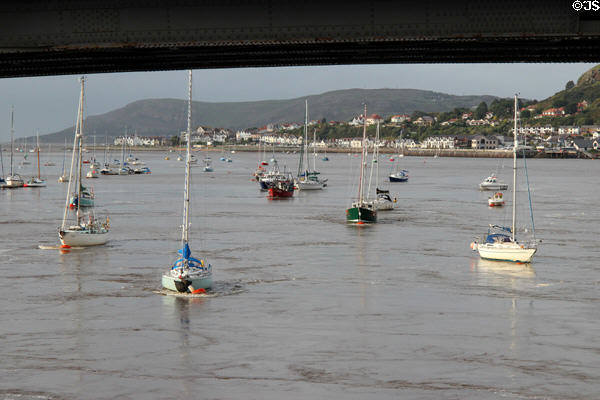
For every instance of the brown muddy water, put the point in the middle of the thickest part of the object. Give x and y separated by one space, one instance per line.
305 306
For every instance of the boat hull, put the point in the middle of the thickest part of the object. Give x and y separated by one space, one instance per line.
383 205
513 253
85 202
498 186
361 215
309 185
277 193
398 178
181 285
82 238
12 182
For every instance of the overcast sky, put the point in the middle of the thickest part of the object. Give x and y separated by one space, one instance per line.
49 104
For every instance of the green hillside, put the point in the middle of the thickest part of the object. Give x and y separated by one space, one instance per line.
166 117
588 89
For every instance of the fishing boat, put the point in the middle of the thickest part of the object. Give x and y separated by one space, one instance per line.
492 183
282 187
36 181
307 179
497 200
500 243
13 180
187 274
268 179
362 211
87 230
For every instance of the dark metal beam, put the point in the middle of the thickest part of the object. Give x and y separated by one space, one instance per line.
69 37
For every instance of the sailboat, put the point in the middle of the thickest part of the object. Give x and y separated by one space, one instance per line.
383 201
187 274
87 231
37 181
362 210
63 177
501 243
107 170
49 163
13 180
308 180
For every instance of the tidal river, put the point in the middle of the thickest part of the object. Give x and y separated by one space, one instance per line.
305 306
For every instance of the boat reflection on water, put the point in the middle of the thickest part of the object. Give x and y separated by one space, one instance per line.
505 268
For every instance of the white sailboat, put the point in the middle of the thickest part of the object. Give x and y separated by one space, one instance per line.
308 180
13 180
501 243
87 231
37 181
187 274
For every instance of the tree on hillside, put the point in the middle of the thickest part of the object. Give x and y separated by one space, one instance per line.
559 102
502 108
571 108
525 114
570 85
481 110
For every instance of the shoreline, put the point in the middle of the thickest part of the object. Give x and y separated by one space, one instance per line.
468 153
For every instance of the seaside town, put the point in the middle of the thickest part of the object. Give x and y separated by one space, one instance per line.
549 139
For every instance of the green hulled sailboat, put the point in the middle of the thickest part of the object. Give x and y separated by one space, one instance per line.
362 210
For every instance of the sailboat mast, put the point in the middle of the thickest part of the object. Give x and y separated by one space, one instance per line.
362 158
80 155
12 135
306 138
75 141
38 153
315 150
377 157
186 192
514 188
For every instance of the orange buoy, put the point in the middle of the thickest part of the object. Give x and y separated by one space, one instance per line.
65 246
198 291
360 223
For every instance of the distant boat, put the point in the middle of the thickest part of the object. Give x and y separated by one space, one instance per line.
501 243
92 173
492 183
208 165
36 181
87 230
362 211
383 201
497 200
399 176
13 180
307 179
187 274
